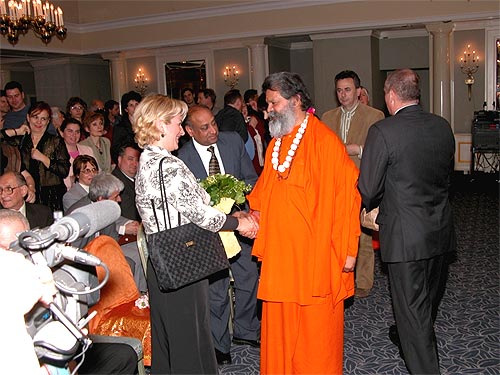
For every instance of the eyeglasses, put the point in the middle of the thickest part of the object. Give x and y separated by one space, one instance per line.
78 107
89 171
8 189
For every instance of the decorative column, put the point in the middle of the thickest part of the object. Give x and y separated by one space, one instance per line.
259 65
118 71
440 69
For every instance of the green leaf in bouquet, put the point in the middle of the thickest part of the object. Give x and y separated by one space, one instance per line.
225 186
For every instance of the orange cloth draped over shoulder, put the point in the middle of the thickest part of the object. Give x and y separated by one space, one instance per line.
117 314
309 223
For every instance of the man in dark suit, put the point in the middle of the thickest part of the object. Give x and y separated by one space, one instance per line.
13 190
406 169
125 171
229 150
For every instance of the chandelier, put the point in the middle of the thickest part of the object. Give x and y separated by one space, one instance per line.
231 76
141 82
469 65
19 16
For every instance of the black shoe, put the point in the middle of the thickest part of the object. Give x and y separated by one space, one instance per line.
223 358
254 343
394 337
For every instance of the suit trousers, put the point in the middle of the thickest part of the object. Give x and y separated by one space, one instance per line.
246 322
416 290
365 262
181 341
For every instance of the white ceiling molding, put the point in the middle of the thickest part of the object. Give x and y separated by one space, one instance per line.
341 34
396 34
301 45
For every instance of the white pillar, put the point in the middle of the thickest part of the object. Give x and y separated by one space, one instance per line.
259 65
118 72
440 69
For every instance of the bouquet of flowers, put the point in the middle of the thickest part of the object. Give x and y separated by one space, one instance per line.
226 190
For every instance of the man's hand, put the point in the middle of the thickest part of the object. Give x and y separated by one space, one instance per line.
132 227
350 263
353 149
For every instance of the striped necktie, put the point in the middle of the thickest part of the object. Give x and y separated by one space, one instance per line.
213 164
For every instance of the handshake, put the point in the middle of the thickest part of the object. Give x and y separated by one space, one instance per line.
248 223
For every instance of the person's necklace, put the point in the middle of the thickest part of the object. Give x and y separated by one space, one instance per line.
291 151
98 145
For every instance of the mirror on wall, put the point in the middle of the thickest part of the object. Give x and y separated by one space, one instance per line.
181 74
497 86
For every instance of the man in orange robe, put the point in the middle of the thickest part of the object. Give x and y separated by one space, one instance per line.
308 207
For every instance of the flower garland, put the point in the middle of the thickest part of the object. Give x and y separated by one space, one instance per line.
291 151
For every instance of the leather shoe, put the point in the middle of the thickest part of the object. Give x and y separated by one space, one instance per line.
254 343
223 358
394 337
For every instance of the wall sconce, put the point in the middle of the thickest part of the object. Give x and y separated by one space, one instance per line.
469 66
141 82
231 76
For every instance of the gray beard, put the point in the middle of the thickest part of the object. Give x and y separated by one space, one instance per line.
281 124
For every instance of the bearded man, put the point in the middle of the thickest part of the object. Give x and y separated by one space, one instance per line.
308 206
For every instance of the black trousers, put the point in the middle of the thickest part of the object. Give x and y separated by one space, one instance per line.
109 359
181 339
416 289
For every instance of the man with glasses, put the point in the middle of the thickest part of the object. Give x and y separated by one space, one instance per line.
13 190
18 108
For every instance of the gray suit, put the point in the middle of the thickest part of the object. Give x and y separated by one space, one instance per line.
246 323
73 195
406 168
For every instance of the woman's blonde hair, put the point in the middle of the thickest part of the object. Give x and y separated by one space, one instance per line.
151 108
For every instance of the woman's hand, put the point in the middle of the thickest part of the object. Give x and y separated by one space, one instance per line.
23 129
247 226
38 155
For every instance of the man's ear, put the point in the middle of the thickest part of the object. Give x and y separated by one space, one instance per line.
24 190
189 130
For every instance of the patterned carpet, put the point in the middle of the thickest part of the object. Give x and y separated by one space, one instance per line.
468 325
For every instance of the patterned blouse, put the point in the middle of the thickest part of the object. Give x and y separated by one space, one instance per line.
184 195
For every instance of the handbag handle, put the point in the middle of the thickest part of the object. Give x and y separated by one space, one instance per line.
163 194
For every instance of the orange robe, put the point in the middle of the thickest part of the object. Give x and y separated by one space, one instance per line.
309 223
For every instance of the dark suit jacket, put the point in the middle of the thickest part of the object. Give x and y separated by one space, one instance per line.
234 158
406 169
38 215
127 205
230 119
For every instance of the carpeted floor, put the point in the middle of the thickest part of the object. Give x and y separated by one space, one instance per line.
468 325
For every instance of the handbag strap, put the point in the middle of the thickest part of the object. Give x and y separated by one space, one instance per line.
163 195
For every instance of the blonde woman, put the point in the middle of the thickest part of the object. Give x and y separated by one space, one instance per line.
180 319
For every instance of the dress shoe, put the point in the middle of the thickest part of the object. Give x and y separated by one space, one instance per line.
223 358
362 293
254 343
394 337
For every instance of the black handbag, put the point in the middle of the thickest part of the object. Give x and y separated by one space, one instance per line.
184 254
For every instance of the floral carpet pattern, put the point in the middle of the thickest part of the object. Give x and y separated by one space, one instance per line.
468 322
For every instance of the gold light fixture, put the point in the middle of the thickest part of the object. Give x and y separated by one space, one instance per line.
231 76
141 82
469 66
19 16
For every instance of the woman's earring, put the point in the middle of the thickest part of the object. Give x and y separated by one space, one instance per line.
162 135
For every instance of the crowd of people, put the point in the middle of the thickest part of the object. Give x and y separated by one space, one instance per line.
303 249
